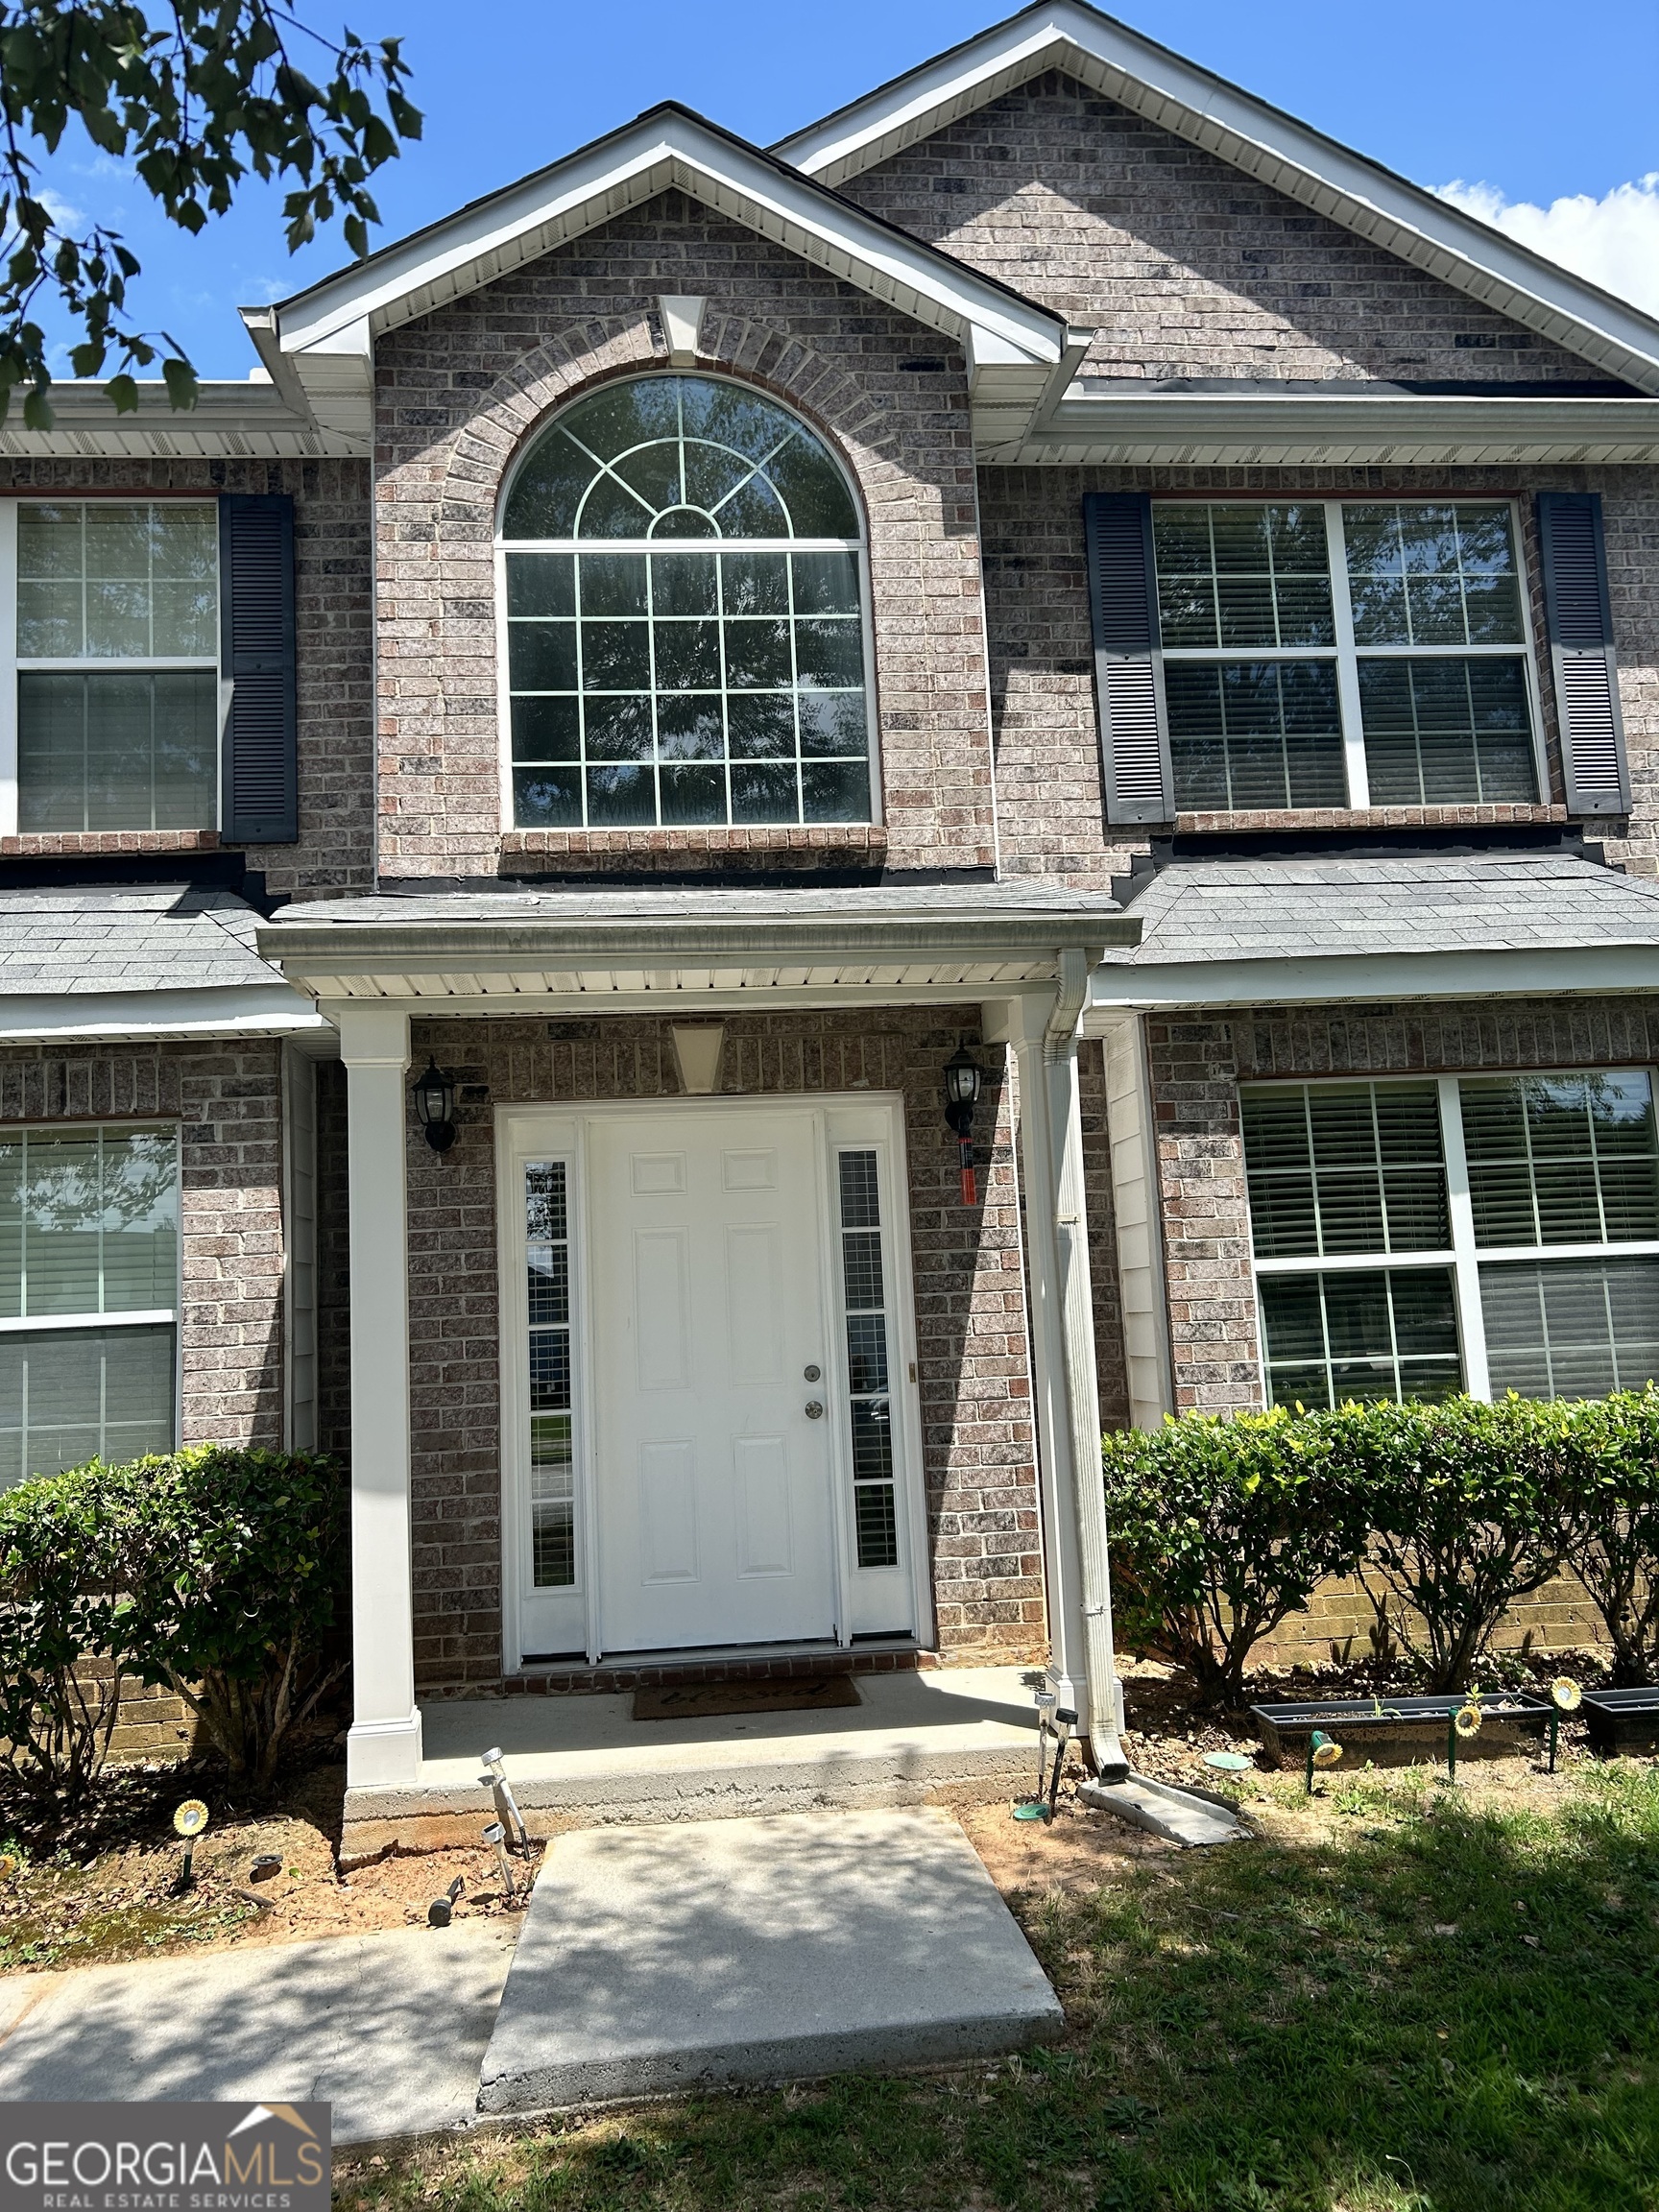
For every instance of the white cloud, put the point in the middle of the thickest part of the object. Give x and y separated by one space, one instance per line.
64 213
1614 241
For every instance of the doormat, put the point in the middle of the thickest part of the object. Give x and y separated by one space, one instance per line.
711 1700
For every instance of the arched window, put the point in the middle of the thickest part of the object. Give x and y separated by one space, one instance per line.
685 615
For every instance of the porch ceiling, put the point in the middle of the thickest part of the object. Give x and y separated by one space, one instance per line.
494 952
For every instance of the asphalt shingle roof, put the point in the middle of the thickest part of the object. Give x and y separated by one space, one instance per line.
161 937
1300 910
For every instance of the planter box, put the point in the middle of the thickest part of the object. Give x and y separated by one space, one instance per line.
1622 1720
1403 1730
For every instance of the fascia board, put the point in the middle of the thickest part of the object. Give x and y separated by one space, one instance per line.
1350 977
591 187
1256 137
1263 430
242 1010
313 951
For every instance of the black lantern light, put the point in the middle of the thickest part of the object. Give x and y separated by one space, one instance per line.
962 1080
435 1107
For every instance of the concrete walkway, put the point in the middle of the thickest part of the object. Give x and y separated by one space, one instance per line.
391 2029
662 1959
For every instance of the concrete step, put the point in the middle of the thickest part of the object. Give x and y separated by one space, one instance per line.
655 1959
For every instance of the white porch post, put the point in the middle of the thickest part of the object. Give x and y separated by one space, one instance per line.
1082 1668
384 1743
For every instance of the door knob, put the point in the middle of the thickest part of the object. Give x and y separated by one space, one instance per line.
814 1408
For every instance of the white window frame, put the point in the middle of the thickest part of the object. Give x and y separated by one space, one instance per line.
858 547
1346 655
1462 1256
11 666
171 1316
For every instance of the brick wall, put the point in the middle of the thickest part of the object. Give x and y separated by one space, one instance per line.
227 1100
1197 1064
459 392
332 559
979 1470
1185 266
1050 813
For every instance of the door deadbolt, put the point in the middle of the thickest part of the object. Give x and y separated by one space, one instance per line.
812 1372
814 1408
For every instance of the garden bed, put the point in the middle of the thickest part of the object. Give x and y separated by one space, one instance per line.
1621 1720
1400 1730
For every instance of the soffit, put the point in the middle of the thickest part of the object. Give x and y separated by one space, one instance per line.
1257 139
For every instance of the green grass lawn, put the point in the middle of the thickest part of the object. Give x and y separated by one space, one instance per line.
1422 2008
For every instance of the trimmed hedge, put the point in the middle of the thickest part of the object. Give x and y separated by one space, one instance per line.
213 1573
1224 1524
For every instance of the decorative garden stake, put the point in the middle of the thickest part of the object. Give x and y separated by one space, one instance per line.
962 1080
9 1864
1322 1751
1565 1697
188 1821
1465 1722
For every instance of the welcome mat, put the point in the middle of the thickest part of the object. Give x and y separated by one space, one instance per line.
711 1700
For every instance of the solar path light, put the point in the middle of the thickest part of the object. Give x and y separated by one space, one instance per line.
506 1804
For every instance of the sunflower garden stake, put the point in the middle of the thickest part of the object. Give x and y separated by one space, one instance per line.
1565 1697
1322 1751
1464 1722
188 1821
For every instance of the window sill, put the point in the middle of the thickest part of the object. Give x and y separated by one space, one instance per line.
1367 818
805 839
52 844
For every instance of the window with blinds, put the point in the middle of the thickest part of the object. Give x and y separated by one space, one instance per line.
863 1279
1483 1233
552 1454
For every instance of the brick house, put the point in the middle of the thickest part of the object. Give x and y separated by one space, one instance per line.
507 816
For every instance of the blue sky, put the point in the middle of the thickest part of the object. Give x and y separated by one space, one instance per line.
1551 109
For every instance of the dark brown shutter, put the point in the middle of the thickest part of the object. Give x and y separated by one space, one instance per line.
256 659
1128 664
1581 657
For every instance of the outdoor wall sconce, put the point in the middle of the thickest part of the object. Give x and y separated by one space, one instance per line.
435 1106
962 1081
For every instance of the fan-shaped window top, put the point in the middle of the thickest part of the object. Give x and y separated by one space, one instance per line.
678 457
684 616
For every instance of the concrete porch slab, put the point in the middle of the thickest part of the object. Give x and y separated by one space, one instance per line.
586 1757
655 1960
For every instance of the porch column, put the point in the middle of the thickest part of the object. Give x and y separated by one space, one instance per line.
1082 1670
384 1743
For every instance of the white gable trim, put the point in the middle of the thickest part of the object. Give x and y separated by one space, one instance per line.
1255 137
666 148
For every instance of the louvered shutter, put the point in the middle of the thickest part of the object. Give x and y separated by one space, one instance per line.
1582 655
1128 664
257 659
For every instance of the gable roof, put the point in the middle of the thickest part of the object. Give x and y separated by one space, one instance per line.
1257 139
321 340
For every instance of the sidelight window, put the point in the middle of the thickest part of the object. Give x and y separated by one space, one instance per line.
863 1278
552 1454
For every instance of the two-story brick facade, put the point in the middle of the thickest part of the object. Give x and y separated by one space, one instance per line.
1058 565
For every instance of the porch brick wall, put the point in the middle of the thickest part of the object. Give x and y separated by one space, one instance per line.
461 390
1197 1064
978 1468
1052 820
1183 265
332 607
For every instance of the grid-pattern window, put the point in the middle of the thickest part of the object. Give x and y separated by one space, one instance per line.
1488 1232
875 1511
1333 653
552 1456
88 1296
684 616
117 673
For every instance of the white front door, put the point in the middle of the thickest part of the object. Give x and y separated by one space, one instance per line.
711 1444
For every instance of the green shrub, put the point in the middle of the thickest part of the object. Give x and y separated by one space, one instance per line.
1613 1526
1220 1525
59 1678
1468 1503
232 1566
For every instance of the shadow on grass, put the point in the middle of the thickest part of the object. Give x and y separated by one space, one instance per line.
1432 2011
